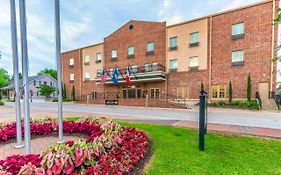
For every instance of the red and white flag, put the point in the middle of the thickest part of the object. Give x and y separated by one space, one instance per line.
103 77
128 75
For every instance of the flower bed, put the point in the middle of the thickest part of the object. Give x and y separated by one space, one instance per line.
110 149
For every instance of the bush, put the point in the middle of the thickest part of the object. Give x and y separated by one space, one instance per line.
252 105
1 103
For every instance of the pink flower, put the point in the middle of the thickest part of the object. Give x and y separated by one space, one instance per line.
49 171
78 162
40 171
96 152
69 169
79 153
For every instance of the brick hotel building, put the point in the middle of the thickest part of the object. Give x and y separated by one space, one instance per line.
171 62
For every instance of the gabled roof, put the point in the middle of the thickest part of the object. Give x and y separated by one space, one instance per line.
30 79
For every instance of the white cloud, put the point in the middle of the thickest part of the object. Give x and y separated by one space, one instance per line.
237 3
176 18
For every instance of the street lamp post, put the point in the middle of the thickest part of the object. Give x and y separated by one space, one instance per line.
16 72
25 76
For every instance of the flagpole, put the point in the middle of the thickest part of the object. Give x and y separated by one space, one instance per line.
59 73
119 72
132 71
24 51
16 72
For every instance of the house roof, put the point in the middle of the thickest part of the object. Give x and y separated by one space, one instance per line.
30 79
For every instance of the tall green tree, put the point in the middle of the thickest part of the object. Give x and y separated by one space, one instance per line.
249 88
20 76
73 93
46 90
202 86
64 92
4 77
230 92
51 72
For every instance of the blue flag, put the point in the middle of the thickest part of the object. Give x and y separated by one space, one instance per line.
115 76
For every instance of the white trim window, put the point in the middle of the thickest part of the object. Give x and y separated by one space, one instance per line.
238 57
131 50
71 77
238 29
173 65
114 53
87 75
87 59
135 68
194 37
71 61
194 62
98 57
150 46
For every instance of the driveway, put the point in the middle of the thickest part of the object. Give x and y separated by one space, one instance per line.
259 119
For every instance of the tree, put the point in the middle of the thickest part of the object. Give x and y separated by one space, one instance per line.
20 76
51 72
64 92
73 93
4 77
230 92
202 86
46 90
249 88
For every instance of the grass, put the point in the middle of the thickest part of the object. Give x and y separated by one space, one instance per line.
175 151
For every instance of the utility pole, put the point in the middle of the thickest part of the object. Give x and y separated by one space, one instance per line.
25 76
59 75
16 71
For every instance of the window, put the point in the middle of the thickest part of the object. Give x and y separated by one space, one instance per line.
147 67
124 93
194 39
237 58
39 82
51 84
218 91
173 43
154 93
71 62
34 83
99 73
135 68
114 55
193 63
131 93
173 65
131 52
45 83
98 57
154 66
182 92
87 76
237 31
150 48
71 77
94 95
86 59
111 71
139 93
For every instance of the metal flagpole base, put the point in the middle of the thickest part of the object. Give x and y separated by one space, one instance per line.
60 142
19 146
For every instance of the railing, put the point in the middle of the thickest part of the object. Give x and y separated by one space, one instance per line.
143 69
258 98
276 98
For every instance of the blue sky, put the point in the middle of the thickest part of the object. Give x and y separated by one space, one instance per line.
86 22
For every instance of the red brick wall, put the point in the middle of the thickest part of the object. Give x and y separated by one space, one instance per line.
90 86
142 33
76 69
191 79
256 45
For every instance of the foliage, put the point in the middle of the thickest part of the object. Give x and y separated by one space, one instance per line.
46 90
249 88
73 97
20 76
63 92
230 92
202 86
4 77
110 149
1 103
252 105
51 72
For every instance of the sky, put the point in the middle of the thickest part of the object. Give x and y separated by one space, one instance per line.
86 22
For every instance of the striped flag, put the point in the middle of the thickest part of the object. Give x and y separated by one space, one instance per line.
103 77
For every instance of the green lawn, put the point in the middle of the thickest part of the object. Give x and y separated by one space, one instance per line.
175 151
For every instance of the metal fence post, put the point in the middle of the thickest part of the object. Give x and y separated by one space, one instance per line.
202 109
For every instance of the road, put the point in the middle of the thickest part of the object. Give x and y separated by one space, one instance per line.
261 119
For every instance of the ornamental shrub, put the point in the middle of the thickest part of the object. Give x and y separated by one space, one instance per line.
230 92
249 88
